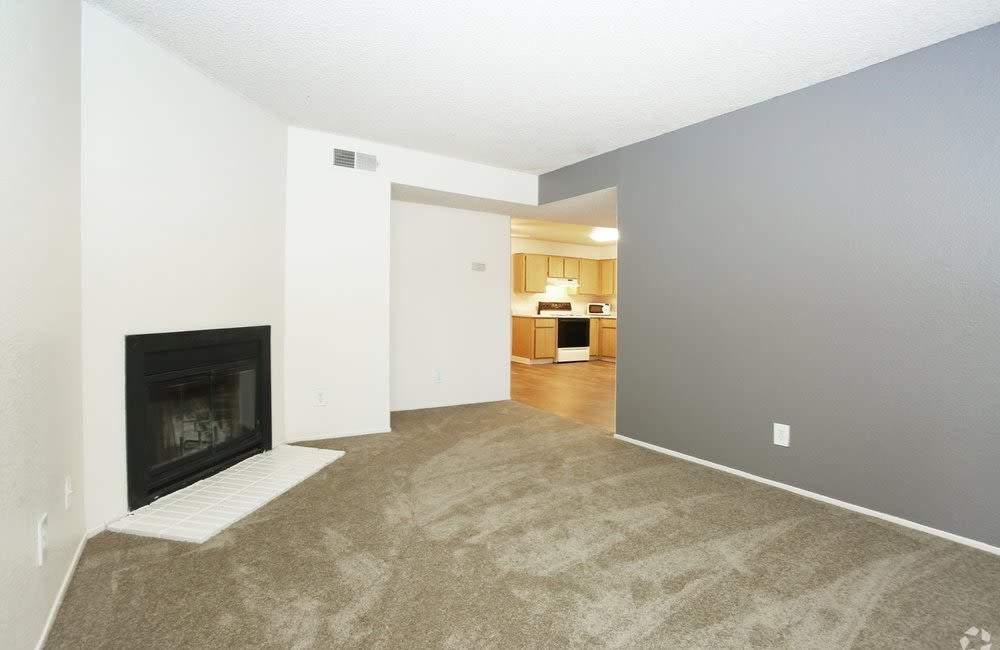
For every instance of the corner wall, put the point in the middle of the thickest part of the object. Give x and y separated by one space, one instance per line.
183 225
827 259
40 314
449 324
337 282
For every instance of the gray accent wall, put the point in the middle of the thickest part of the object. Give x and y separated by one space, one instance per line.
828 259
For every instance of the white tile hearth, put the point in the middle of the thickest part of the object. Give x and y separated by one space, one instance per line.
203 509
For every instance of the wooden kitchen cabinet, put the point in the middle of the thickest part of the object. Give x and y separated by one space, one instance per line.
609 279
533 338
556 267
609 338
590 278
522 338
530 272
596 277
595 337
545 343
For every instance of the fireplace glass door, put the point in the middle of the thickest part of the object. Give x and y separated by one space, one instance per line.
200 414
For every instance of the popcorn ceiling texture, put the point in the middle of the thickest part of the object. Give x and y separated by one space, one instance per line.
534 86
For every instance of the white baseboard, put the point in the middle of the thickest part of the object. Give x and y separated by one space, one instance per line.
97 530
330 436
449 403
62 592
982 546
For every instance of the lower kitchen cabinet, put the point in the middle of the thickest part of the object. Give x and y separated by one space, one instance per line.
522 337
609 338
533 338
545 342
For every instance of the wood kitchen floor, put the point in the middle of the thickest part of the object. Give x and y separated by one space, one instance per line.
583 391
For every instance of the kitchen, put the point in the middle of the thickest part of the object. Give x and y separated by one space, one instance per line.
564 333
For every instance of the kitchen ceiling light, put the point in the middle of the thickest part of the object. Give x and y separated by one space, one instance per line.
604 234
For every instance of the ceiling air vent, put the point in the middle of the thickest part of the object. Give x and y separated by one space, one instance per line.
354 160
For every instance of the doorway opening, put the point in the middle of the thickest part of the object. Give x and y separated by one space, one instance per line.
493 300
564 308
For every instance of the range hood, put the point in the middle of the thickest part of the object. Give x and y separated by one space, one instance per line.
563 282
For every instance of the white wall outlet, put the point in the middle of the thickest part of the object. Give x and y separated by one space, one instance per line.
479 266
320 398
782 434
41 538
68 491
436 377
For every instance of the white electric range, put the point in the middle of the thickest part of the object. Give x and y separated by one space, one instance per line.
572 331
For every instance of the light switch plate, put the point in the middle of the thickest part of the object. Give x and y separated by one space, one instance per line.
782 434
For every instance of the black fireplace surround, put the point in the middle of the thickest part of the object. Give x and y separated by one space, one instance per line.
196 403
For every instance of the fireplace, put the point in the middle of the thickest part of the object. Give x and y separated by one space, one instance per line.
196 403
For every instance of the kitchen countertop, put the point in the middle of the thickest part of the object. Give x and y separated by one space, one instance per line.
613 315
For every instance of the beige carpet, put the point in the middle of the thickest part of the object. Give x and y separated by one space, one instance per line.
499 525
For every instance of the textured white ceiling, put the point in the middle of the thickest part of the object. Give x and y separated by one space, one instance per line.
564 233
598 208
533 85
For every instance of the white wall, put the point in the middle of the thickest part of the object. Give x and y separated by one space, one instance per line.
40 312
337 275
449 324
183 224
527 303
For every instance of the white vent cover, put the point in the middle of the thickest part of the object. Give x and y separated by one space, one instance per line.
355 160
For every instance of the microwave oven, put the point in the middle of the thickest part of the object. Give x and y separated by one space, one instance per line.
598 308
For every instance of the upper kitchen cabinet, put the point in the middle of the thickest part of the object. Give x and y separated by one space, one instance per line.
530 272
609 279
596 277
556 267
590 278
571 268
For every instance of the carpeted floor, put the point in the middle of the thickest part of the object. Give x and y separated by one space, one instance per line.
498 525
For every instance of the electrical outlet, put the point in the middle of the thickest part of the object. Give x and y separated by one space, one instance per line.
320 398
782 434
436 377
41 538
68 491
478 266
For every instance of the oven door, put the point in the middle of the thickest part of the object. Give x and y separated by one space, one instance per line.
573 340
573 333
